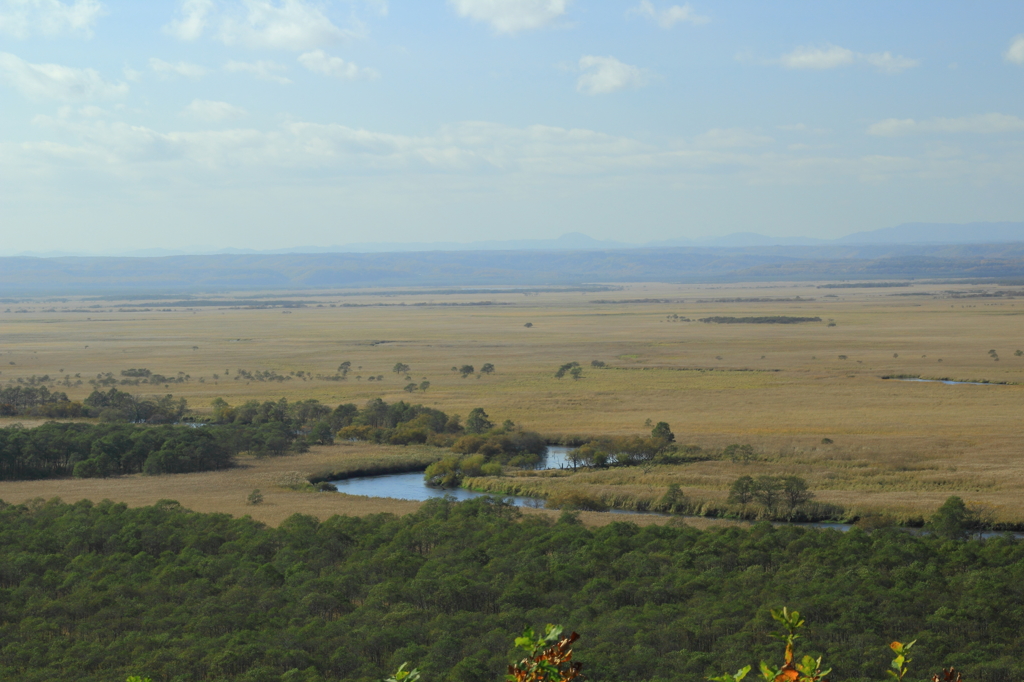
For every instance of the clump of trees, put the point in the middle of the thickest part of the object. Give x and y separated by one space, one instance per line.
31 401
120 406
573 369
112 405
773 493
627 450
483 449
767 319
101 450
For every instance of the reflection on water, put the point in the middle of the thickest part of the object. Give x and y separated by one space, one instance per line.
557 457
412 487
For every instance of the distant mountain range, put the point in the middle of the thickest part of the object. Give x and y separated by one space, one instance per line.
178 275
907 233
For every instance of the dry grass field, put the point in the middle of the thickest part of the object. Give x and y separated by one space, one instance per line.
782 388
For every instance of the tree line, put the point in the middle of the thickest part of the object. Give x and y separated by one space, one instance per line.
96 592
127 440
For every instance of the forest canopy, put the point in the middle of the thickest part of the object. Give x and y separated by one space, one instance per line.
97 592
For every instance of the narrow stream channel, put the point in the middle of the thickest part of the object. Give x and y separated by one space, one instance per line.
411 487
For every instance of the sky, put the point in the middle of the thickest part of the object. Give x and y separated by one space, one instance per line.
264 124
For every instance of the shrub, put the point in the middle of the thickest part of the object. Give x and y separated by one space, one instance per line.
575 500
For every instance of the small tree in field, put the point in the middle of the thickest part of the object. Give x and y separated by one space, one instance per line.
488 368
566 369
742 490
477 421
662 431
768 491
466 370
255 497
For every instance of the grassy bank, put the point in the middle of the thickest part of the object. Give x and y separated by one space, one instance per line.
390 460
596 491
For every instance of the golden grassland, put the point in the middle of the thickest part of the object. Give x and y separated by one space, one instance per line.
898 446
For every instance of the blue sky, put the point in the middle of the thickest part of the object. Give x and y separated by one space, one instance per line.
278 123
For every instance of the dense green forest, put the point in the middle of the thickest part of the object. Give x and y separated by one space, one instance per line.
269 428
100 592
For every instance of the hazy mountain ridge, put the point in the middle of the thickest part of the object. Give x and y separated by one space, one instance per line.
905 234
20 275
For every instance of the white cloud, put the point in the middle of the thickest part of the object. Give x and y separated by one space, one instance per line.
207 110
731 138
53 81
1015 53
263 70
193 19
25 18
602 75
180 69
982 124
667 18
469 152
292 25
833 56
319 61
885 61
511 16
817 58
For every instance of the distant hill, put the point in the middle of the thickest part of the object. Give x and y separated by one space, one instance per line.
171 274
939 233
908 233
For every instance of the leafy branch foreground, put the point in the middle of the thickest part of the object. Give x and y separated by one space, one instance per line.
549 659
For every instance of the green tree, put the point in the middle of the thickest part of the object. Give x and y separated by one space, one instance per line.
466 370
424 385
954 520
739 453
321 433
564 369
742 490
400 368
255 497
768 491
662 431
795 491
488 368
673 500
477 421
